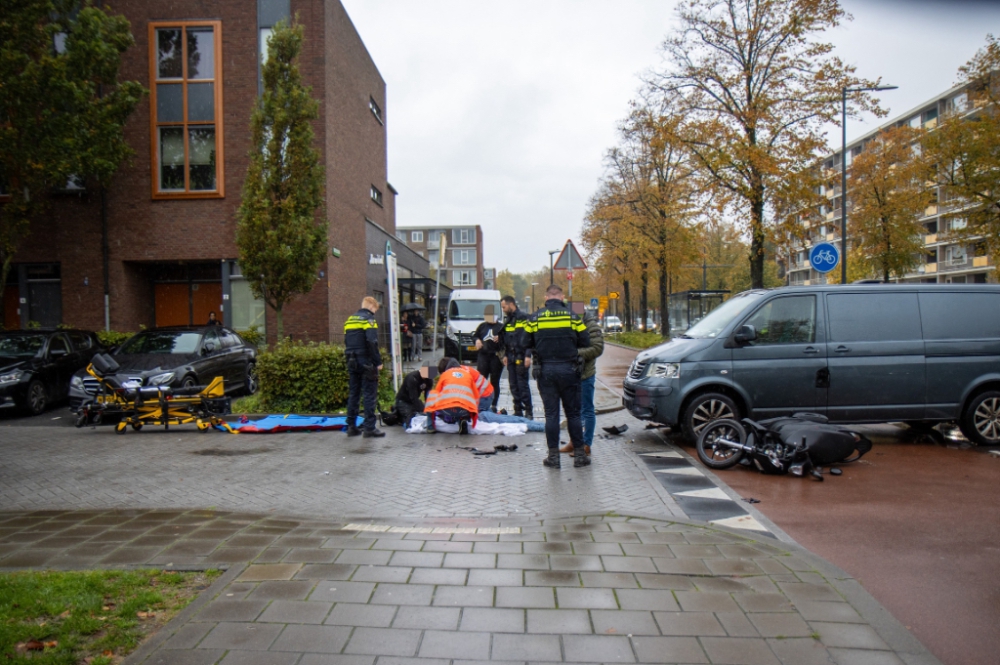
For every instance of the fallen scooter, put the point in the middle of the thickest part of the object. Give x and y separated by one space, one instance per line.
798 444
126 405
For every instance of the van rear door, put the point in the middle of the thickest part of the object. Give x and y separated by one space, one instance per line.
876 356
784 369
962 342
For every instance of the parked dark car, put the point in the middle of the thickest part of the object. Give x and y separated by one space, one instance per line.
859 353
36 365
182 356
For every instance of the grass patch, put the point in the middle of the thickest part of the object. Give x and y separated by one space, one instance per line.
91 617
637 340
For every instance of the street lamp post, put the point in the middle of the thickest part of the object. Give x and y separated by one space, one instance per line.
533 285
552 274
843 172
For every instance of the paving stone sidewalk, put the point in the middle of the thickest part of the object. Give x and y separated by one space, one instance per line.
584 589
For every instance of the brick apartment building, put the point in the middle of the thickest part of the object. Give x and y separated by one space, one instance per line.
171 212
463 260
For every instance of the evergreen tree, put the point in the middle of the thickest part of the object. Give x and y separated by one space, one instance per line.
282 242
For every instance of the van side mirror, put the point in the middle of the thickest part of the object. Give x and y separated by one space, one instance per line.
745 334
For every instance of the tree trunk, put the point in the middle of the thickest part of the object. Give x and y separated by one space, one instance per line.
757 235
627 288
664 305
644 298
280 321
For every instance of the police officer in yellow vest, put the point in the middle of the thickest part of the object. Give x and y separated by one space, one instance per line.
516 356
555 334
364 362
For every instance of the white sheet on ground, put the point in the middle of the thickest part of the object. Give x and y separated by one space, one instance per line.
419 426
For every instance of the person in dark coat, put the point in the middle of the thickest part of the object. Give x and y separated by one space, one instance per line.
413 392
417 324
488 338
517 356
212 321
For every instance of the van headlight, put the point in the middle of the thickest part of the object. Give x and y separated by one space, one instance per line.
664 370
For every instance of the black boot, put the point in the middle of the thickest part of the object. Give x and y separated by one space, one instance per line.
552 461
352 430
580 458
529 415
373 433
463 426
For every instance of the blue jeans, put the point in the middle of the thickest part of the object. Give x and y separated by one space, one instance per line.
587 409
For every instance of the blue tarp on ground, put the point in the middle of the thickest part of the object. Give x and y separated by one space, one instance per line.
291 423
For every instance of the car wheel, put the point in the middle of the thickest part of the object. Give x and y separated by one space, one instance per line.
981 421
715 455
37 399
189 382
250 383
706 408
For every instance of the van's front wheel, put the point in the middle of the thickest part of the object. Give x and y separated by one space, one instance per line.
981 421
706 408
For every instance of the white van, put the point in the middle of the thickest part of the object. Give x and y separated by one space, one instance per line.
465 313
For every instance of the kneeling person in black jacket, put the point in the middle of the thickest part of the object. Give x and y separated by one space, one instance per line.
413 392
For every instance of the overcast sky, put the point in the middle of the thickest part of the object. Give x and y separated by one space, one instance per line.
499 113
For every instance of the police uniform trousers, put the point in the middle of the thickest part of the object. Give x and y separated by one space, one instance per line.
560 383
489 365
520 391
362 379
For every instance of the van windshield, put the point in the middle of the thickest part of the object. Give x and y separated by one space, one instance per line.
713 324
472 310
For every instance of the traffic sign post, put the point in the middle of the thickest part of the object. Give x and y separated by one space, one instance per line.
570 260
824 257
594 303
614 295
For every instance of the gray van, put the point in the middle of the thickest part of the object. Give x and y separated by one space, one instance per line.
918 353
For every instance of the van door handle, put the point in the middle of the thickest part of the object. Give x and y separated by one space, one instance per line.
810 350
841 349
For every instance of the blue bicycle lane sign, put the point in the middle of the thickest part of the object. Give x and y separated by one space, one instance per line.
824 257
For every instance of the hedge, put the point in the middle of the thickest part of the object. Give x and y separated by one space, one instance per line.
297 377
112 337
637 340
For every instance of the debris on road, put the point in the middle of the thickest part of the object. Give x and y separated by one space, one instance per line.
616 429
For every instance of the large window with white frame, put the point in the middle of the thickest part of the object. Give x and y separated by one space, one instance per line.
416 236
463 277
463 257
463 236
186 109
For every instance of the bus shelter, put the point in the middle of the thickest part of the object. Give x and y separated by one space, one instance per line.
689 307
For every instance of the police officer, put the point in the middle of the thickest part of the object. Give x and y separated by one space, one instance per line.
556 334
364 362
517 356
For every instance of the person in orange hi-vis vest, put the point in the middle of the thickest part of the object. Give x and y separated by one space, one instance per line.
460 394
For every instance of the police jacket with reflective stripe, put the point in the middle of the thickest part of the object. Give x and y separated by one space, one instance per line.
361 337
515 337
555 333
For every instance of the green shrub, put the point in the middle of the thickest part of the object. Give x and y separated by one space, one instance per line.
637 340
252 336
112 337
296 377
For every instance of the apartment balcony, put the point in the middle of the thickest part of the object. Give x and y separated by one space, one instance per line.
930 268
980 261
930 239
433 244
930 211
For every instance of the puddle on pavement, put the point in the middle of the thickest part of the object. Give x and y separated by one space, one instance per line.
220 452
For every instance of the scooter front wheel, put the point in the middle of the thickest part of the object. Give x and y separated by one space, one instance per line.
715 454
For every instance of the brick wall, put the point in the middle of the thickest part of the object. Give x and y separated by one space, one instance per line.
352 145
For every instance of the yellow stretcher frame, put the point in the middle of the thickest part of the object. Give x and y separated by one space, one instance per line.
162 409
